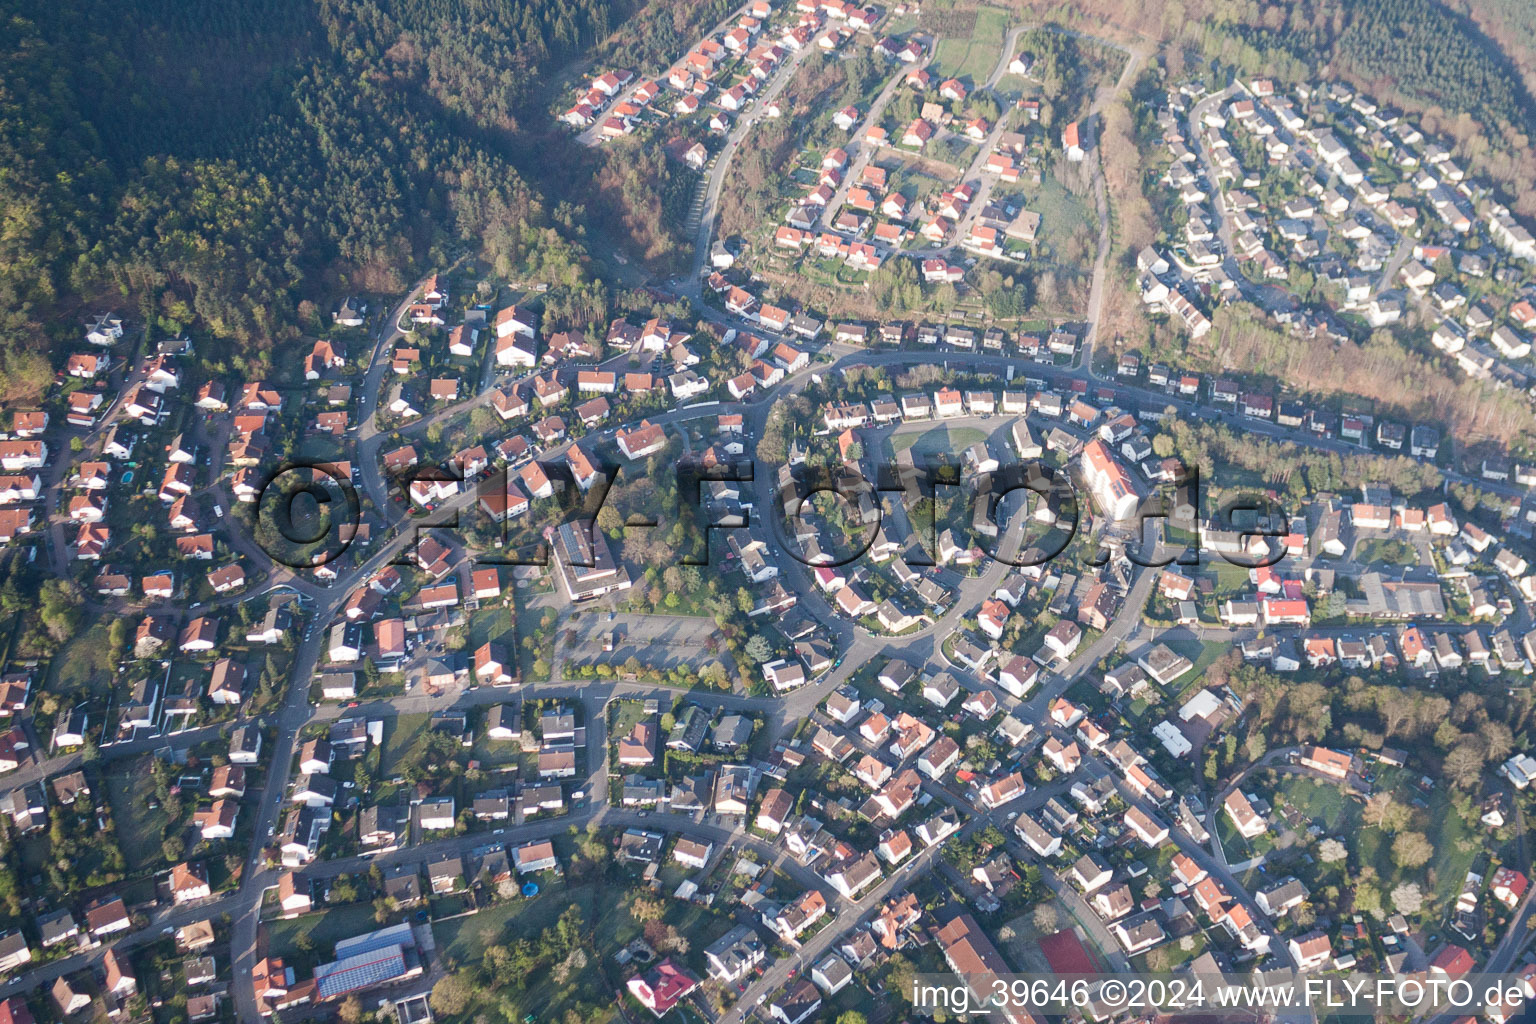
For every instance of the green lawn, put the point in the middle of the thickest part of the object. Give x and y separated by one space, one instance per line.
497 753
1202 653
320 447
1388 550
492 623
84 664
1239 848
463 939
184 672
401 734
976 55
626 715
1178 952
1456 845
323 931
940 440
1314 800
389 685
1309 799
1230 579
1065 219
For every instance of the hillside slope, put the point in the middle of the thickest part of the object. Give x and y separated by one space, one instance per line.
220 163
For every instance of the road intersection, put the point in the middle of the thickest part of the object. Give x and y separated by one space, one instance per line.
857 645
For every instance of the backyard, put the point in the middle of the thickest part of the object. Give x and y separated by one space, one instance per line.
462 942
1388 550
85 664
492 623
402 734
1301 802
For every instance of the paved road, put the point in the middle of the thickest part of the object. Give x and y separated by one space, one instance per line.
367 435
593 134
1010 50
862 152
858 645
258 877
717 174
782 713
1223 220
1395 263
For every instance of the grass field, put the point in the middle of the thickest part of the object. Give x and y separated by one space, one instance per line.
401 734
463 939
1317 801
505 756
139 828
1456 845
917 177
324 930
84 665
1063 216
974 56
1230 579
320 446
1202 653
1388 550
492 623
940 440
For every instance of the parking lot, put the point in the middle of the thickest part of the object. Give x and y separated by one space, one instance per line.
657 641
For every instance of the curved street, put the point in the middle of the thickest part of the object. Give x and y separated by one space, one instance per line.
857 646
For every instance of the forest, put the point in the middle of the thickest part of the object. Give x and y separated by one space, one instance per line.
1463 67
1511 24
208 165
1382 369
1417 53
218 166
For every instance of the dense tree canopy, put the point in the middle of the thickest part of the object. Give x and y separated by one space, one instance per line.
1414 52
217 163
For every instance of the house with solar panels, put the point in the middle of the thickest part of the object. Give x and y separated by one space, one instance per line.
1114 492
384 957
